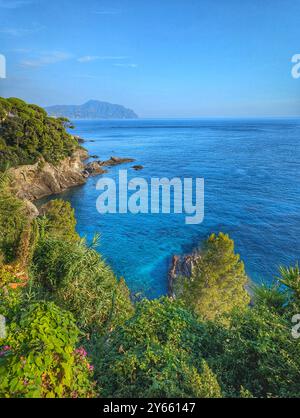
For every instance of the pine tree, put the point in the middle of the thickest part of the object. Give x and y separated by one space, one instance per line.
218 280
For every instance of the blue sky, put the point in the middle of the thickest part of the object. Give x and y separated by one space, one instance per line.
163 58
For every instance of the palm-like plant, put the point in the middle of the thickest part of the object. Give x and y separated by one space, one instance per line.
290 277
270 295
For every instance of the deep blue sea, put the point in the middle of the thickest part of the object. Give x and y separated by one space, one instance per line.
251 170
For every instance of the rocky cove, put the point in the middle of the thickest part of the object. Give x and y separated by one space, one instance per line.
33 182
42 179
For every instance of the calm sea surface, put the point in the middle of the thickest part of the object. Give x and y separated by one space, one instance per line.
252 191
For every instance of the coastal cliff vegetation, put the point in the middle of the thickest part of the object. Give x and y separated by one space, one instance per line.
27 133
73 329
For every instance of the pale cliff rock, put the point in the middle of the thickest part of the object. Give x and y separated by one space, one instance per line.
30 209
42 179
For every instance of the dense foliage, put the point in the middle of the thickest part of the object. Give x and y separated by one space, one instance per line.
156 354
27 133
58 220
40 359
76 278
12 220
218 280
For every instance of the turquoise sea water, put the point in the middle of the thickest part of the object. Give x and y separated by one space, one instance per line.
252 191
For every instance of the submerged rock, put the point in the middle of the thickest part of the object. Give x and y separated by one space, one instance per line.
137 167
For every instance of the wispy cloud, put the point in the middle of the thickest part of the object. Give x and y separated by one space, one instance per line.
46 59
14 4
90 58
119 64
13 31
108 12
21 50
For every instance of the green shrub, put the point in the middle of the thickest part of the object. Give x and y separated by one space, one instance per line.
59 220
39 359
11 285
255 352
156 354
12 220
77 279
218 280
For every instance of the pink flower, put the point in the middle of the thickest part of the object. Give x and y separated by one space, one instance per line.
4 350
81 351
90 367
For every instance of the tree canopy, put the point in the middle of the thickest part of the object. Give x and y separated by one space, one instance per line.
218 280
27 133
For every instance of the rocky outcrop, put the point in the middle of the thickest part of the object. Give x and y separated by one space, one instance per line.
95 168
42 179
31 211
116 161
32 182
181 266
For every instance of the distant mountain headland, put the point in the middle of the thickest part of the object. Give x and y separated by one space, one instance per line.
93 109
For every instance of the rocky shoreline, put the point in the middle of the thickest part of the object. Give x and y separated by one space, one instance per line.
42 179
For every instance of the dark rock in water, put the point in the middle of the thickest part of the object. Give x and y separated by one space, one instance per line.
116 161
79 139
94 168
94 156
181 266
137 167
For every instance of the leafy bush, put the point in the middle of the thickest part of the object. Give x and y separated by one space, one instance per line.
156 354
256 353
39 356
290 278
59 220
11 285
12 220
77 279
273 297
